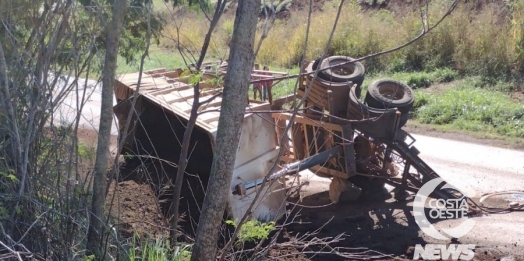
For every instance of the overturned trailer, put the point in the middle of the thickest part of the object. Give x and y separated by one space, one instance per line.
359 145
157 126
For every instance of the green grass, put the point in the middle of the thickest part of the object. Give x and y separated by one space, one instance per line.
158 58
466 107
471 104
156 250
417 79
416 127
285 87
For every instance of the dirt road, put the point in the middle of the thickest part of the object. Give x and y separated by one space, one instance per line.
485 169
381 223
91 95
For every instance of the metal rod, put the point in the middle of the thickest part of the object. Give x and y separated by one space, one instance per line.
405 176
299 165
401 193
396 124
426 171
349 150
387 158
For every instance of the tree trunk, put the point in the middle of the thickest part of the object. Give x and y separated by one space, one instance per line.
234 102
182 161
96 224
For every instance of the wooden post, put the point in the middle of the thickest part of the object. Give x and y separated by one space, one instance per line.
281 126
269 94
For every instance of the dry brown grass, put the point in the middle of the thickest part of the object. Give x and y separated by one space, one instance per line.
489 40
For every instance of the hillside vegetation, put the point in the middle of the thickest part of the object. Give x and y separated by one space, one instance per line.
486 40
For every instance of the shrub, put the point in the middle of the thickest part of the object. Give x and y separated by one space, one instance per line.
517 30
419 80
253 231
445 75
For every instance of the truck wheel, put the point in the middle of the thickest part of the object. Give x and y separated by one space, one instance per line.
387 93
378 128
353 72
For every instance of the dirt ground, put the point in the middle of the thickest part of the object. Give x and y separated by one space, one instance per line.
377 222
134 203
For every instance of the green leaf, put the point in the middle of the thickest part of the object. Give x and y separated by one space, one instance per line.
13 178
194 79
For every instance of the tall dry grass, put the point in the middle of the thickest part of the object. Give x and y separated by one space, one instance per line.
487 40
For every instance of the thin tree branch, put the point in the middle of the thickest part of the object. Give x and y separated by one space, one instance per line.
183 159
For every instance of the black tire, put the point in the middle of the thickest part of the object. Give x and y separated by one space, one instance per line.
314 65
387 93
353 72
379 128
404 117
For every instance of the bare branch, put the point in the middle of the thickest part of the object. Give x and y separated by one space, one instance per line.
13 253
268 23
183 159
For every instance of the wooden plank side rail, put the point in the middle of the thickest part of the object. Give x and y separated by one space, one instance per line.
171 91
311 131
308 121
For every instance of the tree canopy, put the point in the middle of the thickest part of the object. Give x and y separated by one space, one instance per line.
88 18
